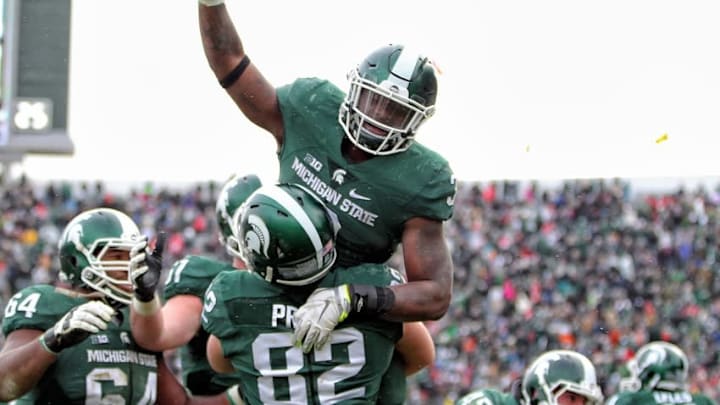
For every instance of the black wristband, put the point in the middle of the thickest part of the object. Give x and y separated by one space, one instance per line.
235 74
50 343
368 299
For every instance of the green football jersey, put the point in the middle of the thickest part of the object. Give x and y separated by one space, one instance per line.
253 320
107 367
191 276
660 398
487 397
393 388
372 199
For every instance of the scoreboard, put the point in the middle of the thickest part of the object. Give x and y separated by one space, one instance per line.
34 59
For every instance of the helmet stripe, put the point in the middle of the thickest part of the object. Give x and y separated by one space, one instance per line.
287 201
404 67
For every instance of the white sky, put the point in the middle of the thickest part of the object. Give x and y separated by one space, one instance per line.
530 89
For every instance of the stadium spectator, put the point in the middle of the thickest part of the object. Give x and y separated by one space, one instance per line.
583 259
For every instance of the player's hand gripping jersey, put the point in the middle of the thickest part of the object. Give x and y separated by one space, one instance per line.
107 367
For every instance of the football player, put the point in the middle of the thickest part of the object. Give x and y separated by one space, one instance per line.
177 323
288 239
658 374
71 343
556 377
356 152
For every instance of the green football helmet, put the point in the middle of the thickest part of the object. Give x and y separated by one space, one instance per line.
287 235
556 372
86 240
392 92
657 365
232 195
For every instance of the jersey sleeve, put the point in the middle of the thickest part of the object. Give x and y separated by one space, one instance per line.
190 275
37 307
215 316
436 198
295 96
373 274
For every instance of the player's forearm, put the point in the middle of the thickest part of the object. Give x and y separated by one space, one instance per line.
419 301
22 368
148 330
221 43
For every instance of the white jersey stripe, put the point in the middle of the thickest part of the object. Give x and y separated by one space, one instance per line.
287 201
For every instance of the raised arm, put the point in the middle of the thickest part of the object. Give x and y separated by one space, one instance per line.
235 71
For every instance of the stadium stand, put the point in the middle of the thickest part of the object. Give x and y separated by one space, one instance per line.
588 265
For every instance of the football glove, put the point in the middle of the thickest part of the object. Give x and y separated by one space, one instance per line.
318 317
76 325
315 320
145 269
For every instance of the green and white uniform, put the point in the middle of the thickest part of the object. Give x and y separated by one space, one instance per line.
372 199
487 397
659 397
191 276
107 367
253 320
393 389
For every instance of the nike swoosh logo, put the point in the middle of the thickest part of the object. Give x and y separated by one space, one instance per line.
357 196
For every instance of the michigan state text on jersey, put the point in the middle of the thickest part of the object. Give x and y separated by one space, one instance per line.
372 199
107 366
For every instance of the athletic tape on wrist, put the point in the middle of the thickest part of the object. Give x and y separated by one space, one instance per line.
45 346
146 308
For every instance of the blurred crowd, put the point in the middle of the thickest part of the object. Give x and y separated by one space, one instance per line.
588 265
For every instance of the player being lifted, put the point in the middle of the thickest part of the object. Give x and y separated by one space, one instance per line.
356 152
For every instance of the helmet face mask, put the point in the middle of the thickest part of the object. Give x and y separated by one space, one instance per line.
657 365
287 235
89 254
228 209
557 372
391 94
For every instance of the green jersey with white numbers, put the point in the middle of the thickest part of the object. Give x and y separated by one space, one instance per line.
191 276
487 397
660 397
372 199
107 367
253 320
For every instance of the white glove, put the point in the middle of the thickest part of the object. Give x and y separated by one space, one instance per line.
318 317
76 325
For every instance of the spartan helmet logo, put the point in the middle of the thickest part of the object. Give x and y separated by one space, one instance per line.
338 176
257 238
